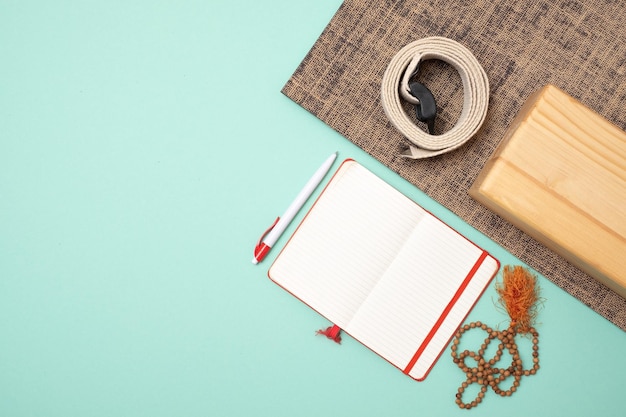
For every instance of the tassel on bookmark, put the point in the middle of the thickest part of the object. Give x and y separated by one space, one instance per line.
333 333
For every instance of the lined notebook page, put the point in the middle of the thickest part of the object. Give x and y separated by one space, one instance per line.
380 267
414 291
345 243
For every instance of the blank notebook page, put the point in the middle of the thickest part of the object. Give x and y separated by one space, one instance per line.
383 269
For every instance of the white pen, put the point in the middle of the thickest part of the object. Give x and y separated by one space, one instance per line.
270 237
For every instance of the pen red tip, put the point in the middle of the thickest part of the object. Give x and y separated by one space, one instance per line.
260 251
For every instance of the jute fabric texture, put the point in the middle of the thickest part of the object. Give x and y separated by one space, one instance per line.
579 46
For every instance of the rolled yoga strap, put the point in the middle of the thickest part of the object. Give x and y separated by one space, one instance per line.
395 85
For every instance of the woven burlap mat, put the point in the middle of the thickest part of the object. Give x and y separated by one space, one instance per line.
576 45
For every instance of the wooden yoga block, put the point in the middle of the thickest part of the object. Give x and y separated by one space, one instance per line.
559 175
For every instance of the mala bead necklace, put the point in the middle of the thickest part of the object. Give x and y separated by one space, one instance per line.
518 295
484 372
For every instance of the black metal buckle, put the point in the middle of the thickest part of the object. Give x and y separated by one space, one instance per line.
426 109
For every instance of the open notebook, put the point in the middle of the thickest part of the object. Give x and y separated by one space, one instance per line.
383 269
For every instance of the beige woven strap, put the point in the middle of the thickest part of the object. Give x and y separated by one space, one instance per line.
395 86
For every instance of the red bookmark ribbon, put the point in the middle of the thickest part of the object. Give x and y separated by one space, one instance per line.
332 333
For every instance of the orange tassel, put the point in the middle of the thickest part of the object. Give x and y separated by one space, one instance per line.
518 295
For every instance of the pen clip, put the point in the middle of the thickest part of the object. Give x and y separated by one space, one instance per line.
269 229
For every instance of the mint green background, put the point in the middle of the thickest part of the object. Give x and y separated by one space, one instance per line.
144 147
